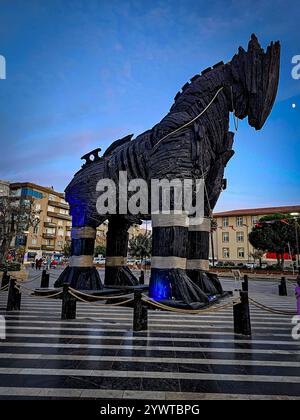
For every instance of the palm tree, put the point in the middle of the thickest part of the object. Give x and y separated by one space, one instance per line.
140 246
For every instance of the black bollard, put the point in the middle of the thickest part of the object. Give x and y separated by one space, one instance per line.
140 313
245 285
68 310
14 297
5 279
241 315
45 280
283 287
142 278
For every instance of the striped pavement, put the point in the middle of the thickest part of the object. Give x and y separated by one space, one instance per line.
180 357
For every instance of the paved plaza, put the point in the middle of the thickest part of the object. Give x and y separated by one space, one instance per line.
180 356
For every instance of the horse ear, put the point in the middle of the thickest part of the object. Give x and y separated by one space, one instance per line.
254 44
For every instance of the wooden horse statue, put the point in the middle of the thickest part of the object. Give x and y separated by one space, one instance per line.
192 141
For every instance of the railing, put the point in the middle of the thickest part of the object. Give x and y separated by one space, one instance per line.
58 204
48 248
50 224
48 236
59 215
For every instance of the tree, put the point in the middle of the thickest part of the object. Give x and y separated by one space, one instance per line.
16 216
140 246
100 250
258 255
276 234
67 249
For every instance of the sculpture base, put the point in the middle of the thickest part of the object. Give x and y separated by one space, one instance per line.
80 278
119 276
208 282
175 285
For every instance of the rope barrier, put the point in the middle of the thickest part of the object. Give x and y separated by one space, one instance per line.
100 297
188 311
27 281
4 288
98 305
271 310
20 288
43 297
291 281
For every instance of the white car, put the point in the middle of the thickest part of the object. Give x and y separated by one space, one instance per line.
99 260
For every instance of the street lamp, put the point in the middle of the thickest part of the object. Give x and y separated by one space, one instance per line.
295 217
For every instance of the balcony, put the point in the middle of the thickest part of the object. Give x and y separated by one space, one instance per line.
48 247
34 248
59 215
58 204
49 235
50 225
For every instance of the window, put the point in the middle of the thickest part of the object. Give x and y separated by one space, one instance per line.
239 221
47 242
226 253
225 221
52 197
225 237
51 208
62 211
37 207
255 220
240 236
48 219
34 242
60 243
60 223
241 253
31 193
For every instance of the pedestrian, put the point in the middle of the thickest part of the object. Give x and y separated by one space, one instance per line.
297 290
36 263
40 263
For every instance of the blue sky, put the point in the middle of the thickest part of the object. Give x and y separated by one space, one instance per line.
81 74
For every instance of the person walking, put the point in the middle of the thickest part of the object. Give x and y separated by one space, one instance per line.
297 291
36 263
40 263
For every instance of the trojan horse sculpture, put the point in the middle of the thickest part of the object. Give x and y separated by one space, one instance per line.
192 140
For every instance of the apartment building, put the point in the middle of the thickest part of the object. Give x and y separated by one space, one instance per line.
4 188
230 240
50 235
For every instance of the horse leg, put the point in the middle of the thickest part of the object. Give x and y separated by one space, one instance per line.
198 258
116 270
169 280
81 273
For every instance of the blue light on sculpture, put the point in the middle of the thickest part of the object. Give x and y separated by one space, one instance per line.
160 288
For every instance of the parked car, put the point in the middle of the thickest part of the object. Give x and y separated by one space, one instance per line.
98 260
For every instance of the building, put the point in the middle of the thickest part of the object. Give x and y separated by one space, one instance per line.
230 239
4 188
53 231
50 235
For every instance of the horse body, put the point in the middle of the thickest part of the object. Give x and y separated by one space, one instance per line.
192 141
